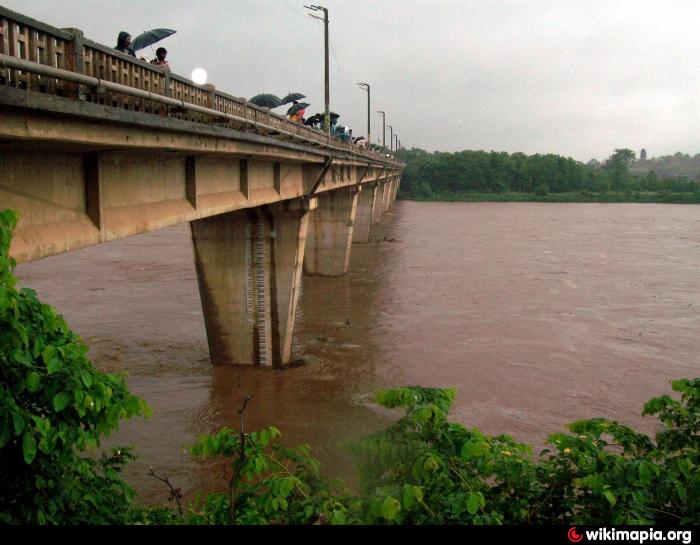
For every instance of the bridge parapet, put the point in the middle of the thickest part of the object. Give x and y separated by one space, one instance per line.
27 39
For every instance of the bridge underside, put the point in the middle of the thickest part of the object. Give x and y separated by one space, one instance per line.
261 210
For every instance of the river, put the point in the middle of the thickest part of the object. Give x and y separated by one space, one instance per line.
539 314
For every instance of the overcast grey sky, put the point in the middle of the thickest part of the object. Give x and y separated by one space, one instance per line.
578 78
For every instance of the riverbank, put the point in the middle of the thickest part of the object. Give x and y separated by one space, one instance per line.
570 197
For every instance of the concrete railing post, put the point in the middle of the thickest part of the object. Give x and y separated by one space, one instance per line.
75 60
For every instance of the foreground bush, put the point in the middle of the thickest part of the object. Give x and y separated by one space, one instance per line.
53 406
426 470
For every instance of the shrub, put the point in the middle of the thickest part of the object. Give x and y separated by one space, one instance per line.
424 469
54 405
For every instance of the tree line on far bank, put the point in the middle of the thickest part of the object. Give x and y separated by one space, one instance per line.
480 175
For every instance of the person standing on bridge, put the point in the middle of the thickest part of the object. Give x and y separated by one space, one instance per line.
124 44
160 61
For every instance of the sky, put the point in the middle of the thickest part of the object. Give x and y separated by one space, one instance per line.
576 78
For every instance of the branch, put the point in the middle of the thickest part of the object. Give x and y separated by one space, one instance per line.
175 493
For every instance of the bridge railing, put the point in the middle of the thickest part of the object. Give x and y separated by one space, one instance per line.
67 49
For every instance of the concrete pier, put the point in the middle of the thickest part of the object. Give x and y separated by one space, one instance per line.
330 232
249 269
366 204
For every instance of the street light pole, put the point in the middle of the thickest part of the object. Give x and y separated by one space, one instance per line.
366 86
391 138
326 118
383 128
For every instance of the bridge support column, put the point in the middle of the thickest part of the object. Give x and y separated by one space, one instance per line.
375 228
386 188
249 270
330 233
366 203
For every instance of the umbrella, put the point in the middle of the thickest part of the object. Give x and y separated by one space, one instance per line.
332 115
150 37
266 100
297 107
291 97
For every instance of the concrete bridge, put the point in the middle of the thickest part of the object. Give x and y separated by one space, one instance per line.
96 145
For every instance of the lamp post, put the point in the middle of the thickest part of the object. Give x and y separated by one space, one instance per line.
383 128
396 147
366 86
391 138
326 118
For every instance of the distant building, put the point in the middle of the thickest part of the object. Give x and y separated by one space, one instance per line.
643 155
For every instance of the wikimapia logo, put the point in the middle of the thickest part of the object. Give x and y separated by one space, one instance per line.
636 536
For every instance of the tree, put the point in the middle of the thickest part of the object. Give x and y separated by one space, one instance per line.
617 168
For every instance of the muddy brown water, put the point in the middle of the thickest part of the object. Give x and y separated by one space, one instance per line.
539 314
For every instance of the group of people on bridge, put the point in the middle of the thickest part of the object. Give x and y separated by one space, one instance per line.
316 121
124 46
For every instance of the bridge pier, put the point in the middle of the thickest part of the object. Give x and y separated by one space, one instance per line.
249 270
367 202
330 231
385 195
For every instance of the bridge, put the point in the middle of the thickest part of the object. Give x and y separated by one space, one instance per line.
96 145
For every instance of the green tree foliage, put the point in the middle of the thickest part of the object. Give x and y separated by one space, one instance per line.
474 175
424 469
268 483
53 406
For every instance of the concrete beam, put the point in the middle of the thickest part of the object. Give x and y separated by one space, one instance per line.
329 238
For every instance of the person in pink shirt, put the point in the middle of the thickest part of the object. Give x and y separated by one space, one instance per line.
160 61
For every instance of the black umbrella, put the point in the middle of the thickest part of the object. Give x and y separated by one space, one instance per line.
291 97
150 37
294 109
266 100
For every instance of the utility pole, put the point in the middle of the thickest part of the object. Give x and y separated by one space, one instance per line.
369 130
326 118
391 138
383 128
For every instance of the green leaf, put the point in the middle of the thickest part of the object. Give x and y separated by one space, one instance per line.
86 378
48 354
474 502
474 449
53 366
22 357
390 508
61 401
610 497
33 380
29 447
19 423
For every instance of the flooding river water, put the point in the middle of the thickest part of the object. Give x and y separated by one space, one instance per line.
539 314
